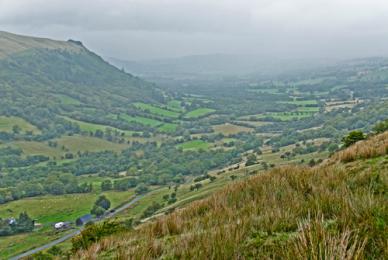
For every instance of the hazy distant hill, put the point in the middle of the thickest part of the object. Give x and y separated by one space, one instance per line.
214 65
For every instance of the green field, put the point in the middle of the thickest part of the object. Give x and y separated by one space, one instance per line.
230 129
285 116
175 105
90 127
68 100
273 91
7 123
141 120
157 110
168 128
308 109
48 210
68 207
194 145
301 102
86 143
38 148
200 112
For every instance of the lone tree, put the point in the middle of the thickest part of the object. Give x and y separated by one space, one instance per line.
352 138
102 202
101 205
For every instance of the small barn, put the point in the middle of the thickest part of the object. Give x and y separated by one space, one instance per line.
83 220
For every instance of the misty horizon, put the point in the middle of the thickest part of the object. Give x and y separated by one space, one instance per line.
147 30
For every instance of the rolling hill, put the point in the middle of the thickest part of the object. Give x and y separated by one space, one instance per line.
41 79
336 210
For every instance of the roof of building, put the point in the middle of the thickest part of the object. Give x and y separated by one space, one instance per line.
85 218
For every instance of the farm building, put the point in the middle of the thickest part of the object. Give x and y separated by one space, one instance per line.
84 219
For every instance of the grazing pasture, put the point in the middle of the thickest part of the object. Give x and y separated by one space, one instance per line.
38 148
7 124
90 127
48 210
86 143
141 120
230 129
67 100
200 112
168 128
175 105
194 145
157 110
68 207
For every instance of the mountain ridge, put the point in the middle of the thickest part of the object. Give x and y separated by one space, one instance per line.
13 43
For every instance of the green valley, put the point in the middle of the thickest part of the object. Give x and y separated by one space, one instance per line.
75 131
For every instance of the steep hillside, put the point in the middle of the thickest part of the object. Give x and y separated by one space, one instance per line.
41 79
12 43
337 210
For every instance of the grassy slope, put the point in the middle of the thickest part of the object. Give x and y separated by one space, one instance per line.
229 129
338 209
7 123
199 112
12 43
91 144
194 145
157 110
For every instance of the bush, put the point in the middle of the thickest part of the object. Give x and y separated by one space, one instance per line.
98 211
353 137
381 127
103 202
93 233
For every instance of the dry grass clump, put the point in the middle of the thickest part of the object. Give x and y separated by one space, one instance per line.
374 146
326 212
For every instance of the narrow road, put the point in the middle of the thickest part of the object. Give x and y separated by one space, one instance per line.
76 232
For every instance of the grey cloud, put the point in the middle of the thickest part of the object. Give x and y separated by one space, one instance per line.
135 29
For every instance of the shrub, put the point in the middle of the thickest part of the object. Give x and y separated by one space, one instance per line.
352 138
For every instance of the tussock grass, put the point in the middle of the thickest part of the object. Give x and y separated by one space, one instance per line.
333 211
373 147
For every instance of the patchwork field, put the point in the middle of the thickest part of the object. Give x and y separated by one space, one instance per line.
230 129
90 127
157 110
91 144
175 105
38 148
252 123
194 145
200 112
68 100
283 116
168 128
7 124
141 120
301 102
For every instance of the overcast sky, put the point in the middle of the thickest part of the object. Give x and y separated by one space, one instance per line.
146 29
